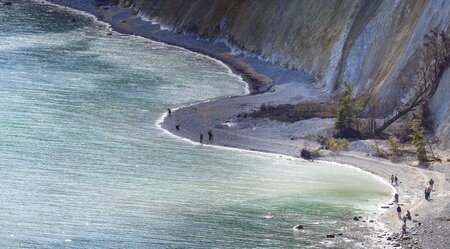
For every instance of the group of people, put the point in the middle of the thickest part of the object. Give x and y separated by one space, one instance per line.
394 180
210 136
407 216
177 127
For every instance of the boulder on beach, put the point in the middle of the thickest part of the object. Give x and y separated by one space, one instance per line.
306 154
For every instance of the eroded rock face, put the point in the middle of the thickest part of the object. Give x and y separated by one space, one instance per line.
369 43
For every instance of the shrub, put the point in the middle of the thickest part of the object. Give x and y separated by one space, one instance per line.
395 146
337 145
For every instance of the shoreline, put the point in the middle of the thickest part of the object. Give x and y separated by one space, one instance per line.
238 133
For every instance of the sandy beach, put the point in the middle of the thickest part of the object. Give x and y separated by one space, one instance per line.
231 126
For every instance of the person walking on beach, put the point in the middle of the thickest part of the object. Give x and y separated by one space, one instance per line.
431 183
404 219
404 229
396 197
399 212
396 180
210 135
201 138
408 215
427 193
392 179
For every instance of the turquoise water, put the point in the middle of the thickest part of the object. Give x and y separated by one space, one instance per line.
83 164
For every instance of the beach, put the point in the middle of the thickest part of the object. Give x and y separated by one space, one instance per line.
228 120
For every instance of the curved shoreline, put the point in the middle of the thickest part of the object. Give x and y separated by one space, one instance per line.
279 146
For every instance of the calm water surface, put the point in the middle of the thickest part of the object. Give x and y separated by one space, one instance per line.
83 164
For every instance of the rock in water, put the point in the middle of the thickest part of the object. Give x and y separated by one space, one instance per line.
298 227
330 236
355 218
7 3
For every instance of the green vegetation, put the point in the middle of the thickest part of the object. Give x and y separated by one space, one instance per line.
418 138
337 145
347 117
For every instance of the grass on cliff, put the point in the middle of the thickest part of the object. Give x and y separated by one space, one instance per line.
292 113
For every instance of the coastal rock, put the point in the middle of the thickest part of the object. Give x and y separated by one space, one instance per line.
7 3
330 236
306 154
389 238
355 218
298 227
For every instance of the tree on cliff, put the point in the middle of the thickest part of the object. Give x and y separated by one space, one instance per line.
347 116
424 81
418 138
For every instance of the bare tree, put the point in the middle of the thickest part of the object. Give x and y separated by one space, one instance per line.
433 60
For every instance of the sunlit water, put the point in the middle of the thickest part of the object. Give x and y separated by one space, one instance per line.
83 165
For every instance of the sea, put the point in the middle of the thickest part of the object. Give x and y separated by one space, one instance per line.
83 163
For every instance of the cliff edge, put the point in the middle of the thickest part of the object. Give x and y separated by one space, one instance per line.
368 43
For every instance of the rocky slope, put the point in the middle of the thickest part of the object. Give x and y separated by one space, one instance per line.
369 43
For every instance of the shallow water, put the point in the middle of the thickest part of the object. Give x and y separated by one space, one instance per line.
83 164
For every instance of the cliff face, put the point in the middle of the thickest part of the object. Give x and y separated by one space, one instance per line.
367 42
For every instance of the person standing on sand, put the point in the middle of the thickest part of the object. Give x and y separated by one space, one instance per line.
396 180
169 111
404 219
404 229
392 179
399 212
396 197
201 138
210 135
431 183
